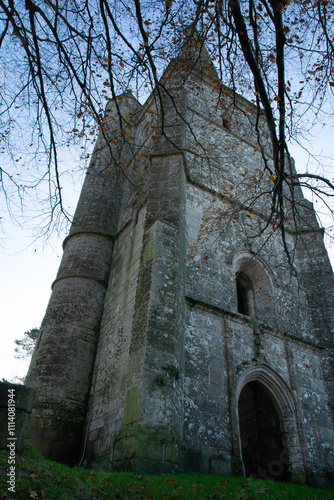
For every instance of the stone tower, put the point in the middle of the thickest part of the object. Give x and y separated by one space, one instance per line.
176 336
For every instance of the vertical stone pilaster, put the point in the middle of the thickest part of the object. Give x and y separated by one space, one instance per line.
153 412
238 466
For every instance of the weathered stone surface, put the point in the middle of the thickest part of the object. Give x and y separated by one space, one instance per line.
177 335
16 403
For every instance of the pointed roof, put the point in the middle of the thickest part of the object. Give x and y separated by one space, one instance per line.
195 54
193 58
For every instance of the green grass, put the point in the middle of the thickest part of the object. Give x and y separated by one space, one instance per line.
39 478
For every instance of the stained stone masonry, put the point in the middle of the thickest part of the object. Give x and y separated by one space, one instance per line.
166 346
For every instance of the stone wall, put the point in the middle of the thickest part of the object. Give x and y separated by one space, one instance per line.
16 403
196 308
281 337
111 365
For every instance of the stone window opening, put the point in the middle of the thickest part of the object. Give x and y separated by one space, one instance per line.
253 286
245 294
226 123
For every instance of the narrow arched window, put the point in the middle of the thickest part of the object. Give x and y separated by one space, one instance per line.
245 294
254 289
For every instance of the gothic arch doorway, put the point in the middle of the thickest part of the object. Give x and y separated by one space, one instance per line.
294 457
263 451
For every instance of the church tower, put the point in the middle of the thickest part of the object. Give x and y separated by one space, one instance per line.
177 334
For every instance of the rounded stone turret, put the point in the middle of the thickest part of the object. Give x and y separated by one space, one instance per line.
62 363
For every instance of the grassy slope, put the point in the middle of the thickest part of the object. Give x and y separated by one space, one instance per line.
39 478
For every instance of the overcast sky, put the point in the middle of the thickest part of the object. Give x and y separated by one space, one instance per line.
26 278
28 268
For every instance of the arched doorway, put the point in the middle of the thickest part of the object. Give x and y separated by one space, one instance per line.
263 451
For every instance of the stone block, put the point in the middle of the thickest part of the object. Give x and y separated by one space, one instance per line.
43 446
35 433
50 434
16 402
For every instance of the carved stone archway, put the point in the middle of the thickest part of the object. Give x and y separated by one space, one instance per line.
263 452
276 397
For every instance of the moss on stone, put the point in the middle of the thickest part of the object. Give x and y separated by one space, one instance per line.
146 448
